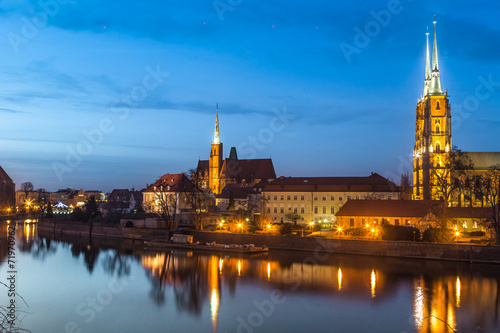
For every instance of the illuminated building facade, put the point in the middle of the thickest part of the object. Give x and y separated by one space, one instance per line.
433 132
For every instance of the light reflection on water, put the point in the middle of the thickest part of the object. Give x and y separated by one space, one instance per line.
201 292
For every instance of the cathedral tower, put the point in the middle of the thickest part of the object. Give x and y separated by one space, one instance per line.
215 161
432 133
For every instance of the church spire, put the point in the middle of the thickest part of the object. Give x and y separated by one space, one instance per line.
216 135
435 88
427 81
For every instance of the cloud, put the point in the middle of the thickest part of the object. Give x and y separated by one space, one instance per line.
12 111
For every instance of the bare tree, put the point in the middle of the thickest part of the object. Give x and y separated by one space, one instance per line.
166 203
492 196
200 201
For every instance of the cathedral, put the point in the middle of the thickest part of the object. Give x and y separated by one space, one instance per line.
216 172
433 144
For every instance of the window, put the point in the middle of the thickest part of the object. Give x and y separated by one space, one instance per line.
351 222
375 221
301 210
294 197
282 210
287 197
332 210
268 197
465 224
315 198
275 197
437 129
389 197
315 209
275 210
348 197
295 210
324 209
340 198
269 209
357 197
396 221
282 197
438 147
437 106
324 198
408 221
302 197
474 225
332 197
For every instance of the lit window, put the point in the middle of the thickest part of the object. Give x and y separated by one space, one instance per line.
465 224
474 225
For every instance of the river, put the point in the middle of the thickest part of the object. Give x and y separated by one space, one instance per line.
69 285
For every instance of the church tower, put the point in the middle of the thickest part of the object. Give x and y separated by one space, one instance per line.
215 161
432 133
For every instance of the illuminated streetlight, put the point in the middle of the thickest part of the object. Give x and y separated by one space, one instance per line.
339 229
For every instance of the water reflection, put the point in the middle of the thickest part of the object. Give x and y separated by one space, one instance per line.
438 296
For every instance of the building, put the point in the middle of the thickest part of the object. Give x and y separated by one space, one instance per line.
420 214
77 199
7 192
170 195
123 200
216 172
433 131
318 199
434 172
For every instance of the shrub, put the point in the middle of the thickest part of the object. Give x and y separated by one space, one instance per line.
477 234
285 229
358 232
438 235
396 233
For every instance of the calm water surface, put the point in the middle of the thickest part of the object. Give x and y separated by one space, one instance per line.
110 286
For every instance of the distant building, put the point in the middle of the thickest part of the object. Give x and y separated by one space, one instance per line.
7 191
98 195
320 198
77 199
123 199
217 172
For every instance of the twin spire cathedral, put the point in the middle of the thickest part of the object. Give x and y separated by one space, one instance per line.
433 131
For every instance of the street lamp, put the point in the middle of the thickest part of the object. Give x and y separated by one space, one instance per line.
339 229
239 226
311 224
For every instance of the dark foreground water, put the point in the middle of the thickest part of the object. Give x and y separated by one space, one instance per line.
109 286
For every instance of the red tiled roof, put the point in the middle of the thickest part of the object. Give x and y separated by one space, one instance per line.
249 170
389 208
372 183
4 176
172 183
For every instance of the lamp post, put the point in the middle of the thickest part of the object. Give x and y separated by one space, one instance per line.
339 230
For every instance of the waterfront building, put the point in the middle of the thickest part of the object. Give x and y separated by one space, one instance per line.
216 172
318 199
7 192
420 214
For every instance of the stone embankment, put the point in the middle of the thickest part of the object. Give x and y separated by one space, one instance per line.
416 250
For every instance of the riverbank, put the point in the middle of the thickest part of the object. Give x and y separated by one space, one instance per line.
412 250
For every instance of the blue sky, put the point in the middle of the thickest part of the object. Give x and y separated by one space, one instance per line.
103 95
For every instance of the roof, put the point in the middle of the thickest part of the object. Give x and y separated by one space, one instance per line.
248 170
470 212
172 183
409 208
120 195
484 160
4 177
389 208
372 183
239 191
203 165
